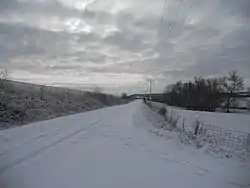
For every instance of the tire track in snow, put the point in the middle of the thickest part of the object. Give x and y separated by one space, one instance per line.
44 148
35 138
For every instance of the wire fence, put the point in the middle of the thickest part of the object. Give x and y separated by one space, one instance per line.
228 138
43 90
224 137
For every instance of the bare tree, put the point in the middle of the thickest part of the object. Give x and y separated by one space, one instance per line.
233 84
3 78
124 95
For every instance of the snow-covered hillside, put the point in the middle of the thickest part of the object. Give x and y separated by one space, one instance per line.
109 148
22 103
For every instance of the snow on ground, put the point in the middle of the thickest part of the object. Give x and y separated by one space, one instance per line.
107 148
233 121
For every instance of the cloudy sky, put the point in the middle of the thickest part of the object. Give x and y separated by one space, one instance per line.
119 44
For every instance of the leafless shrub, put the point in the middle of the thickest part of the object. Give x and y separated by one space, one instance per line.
42 92
3 80
3 77
97 90
124 96
162 111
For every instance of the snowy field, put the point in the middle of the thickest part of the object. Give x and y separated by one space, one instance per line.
233 121
109 148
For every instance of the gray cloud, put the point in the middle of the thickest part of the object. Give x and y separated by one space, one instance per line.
96 41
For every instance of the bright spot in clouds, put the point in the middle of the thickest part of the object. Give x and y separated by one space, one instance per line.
118 44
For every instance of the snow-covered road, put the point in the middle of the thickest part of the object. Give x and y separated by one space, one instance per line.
108 148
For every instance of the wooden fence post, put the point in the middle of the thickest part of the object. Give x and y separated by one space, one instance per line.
196 128
183 124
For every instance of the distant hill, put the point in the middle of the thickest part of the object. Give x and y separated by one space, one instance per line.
22 103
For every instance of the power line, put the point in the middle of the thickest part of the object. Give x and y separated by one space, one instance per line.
162 17
170 26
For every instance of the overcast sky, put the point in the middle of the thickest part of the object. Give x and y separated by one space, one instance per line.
119 44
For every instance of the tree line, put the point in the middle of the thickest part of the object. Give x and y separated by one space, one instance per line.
206 94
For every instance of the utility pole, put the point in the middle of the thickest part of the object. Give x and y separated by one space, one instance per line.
150 89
